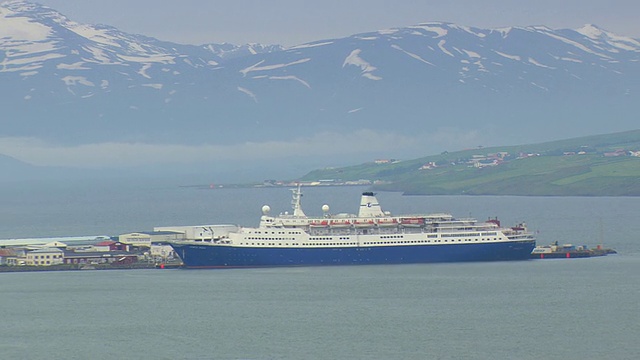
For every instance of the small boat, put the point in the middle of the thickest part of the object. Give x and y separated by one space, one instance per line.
568 251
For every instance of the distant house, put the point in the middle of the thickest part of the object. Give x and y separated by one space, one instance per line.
358 182
487 162
6 255
110 245
616 153
99 257
386 161
45 257
13 256
428 166
144 239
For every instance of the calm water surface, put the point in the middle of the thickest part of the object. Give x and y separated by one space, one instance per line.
541 309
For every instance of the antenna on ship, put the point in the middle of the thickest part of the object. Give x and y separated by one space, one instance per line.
296 203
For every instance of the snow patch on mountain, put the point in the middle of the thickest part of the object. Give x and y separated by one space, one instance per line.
152 58
472 54
562 58
576 44
291 77
467 30
534 62
415 56
367 38
504 32
143 71
256 66
443 49
248 92
439 31
13 26
76 80
539 86
388 31
596 34
370 76
93 34
26 63
99 56
511 57
75 66
154 86
310 45
354 59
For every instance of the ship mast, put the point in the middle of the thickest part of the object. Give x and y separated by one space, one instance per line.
295 202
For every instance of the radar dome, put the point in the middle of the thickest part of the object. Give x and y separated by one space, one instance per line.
266 209
325 208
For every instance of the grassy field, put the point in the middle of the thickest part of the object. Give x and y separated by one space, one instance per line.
561 168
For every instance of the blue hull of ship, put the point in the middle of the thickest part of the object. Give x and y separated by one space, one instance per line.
203 256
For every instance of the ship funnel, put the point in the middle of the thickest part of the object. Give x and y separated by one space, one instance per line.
369 206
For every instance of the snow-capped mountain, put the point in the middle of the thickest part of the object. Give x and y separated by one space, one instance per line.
434 83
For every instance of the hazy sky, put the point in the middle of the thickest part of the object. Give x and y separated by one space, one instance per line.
291 22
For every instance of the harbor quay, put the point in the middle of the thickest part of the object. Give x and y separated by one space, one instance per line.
136 250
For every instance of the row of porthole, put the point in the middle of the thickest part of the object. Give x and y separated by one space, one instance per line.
279 232
321 244
377 243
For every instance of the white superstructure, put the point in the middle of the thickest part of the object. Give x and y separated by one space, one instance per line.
370 227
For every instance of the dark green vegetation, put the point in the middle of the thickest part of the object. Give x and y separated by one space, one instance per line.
576 167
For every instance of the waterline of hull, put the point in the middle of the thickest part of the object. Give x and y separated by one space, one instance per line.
215 256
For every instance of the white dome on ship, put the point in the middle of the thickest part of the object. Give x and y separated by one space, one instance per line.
266 209
325 208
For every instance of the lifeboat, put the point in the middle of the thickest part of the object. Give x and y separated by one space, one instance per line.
339 223
416 222
319 223
387 222
364 223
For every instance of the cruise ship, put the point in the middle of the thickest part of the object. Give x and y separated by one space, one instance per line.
373 236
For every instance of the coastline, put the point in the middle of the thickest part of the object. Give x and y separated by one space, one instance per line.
85 267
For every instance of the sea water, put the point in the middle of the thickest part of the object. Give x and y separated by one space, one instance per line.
538 309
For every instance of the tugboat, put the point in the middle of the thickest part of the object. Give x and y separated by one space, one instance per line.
568 251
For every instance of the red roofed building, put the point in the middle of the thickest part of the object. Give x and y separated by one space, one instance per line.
110 245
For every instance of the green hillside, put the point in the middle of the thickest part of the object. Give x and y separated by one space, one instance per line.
603 165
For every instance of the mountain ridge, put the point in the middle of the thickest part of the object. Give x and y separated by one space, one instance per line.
399 91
